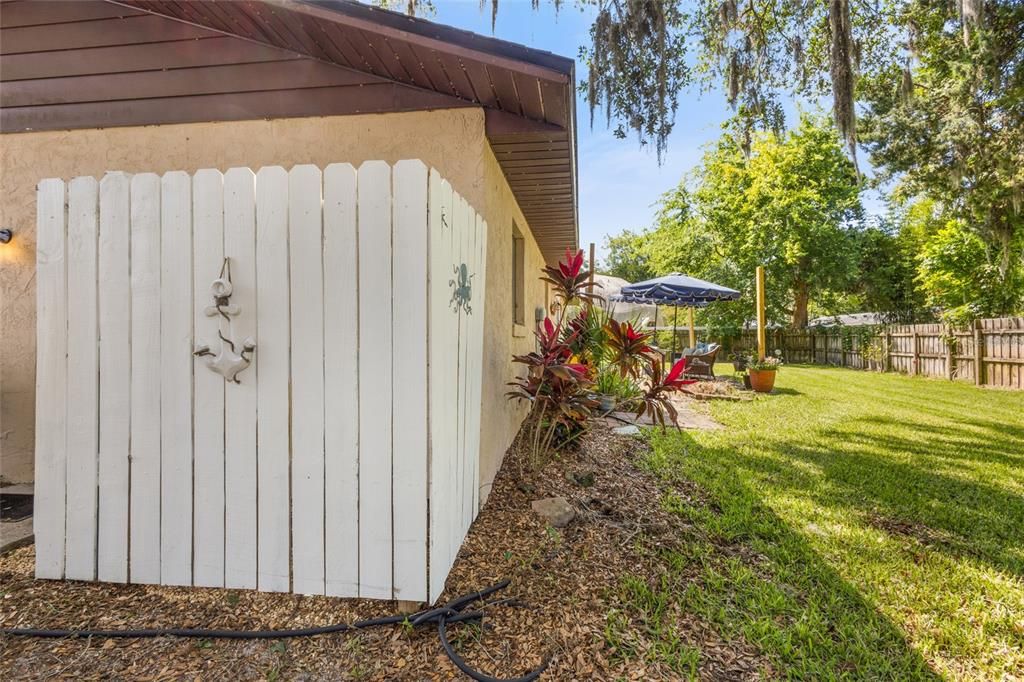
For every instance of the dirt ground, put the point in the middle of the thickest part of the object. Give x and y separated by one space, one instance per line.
570 581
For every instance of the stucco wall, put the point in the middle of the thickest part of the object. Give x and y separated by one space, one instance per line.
500 418
452 141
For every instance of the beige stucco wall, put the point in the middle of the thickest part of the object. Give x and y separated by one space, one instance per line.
500 419
452 141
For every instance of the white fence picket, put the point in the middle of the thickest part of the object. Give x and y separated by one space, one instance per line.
409 440
51 380
83 387
341 383
476 347
272 369
440 482
375 374
466 354
307 319
144 506
461 255
345 459
240 399
114 375
176 379
208 417
449 328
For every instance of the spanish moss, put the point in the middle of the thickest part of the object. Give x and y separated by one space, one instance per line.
841 67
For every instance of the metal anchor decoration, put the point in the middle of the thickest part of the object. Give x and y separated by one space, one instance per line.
229 361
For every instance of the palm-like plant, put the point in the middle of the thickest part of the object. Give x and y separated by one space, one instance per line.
656 401
556 388
586 335
629 349
570 281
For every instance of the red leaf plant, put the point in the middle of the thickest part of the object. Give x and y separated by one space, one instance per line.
657 400
570 280
630 349
558 382
556 387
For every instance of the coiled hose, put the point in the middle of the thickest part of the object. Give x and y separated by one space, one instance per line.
452 612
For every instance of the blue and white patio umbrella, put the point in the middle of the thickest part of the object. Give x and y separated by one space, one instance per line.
676 290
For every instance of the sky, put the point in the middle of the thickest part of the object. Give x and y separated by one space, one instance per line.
620 182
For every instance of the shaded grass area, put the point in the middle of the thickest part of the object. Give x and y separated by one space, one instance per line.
857 525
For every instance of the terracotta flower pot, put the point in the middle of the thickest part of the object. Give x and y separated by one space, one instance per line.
762 380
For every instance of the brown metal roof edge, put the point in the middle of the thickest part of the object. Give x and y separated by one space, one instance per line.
436 36
575 160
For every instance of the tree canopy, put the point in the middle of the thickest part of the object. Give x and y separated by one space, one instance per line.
792 205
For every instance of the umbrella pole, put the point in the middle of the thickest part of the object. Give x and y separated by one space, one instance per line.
675 317
693 333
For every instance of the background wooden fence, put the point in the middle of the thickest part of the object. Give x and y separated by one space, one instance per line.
935 350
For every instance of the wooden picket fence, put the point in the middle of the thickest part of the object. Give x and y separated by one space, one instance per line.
344 462
934 350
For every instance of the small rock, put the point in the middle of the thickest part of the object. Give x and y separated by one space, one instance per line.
555 510
628 430
584 479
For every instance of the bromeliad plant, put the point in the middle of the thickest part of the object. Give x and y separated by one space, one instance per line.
572 352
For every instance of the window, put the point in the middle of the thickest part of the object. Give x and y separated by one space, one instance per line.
518 295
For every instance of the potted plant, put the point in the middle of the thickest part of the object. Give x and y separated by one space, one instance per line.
607 387
762 373
613 389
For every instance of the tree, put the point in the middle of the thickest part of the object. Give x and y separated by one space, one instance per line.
627 258
886 276
956 271
792 205
949 126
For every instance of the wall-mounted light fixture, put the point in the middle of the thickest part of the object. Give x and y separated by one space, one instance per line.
5 236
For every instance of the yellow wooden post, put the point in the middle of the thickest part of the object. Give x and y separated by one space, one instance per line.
593 269
760 313
693 333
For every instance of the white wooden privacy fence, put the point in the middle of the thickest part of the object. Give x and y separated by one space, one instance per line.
343 462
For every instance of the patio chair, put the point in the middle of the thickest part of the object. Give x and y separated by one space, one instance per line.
701 360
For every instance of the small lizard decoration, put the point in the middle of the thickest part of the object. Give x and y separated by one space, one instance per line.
229 362
462 289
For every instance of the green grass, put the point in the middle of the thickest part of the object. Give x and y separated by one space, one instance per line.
858 526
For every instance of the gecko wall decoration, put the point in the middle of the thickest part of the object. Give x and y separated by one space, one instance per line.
229 361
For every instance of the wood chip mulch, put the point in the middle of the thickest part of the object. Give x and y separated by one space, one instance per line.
569 581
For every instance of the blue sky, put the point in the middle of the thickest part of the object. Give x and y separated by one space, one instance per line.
619 181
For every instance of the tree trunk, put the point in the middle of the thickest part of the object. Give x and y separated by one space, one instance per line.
801 296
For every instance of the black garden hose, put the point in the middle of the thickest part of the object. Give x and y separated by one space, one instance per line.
452 612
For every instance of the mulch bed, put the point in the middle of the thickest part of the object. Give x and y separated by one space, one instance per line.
569 580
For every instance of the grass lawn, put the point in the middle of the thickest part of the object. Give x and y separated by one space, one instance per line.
856 525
